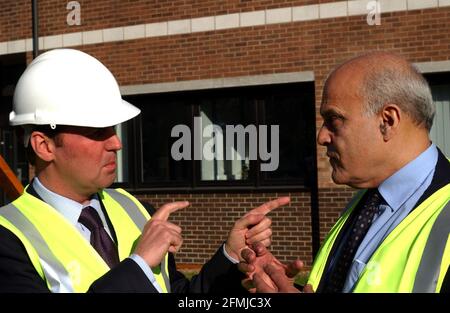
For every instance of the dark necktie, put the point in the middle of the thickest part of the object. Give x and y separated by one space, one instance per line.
100 239
361 224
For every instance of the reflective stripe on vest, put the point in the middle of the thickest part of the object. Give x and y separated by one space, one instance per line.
140 217
430 267
394 264
70 263
130 207
13 214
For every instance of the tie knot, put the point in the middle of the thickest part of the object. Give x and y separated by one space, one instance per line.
90 218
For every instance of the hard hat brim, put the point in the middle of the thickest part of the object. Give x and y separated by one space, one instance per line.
122 113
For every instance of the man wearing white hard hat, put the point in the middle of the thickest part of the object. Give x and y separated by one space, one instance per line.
68 232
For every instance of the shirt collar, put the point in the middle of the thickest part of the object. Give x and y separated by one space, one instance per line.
69 208
403 183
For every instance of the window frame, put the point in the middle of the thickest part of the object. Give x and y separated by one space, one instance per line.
437 79
194 182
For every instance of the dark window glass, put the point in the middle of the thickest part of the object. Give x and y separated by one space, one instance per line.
293 110
248 136
11 138
159 115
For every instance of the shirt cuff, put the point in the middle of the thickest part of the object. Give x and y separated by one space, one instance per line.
147 270
232 260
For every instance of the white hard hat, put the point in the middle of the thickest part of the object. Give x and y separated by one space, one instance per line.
69 87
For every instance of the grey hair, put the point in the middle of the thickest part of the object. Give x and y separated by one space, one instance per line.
406 88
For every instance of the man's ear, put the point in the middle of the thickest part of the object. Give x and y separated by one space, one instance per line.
390 117
43 146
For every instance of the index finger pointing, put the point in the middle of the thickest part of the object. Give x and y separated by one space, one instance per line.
271 205
168 208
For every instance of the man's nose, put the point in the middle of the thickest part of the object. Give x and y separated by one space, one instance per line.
113 143
323 137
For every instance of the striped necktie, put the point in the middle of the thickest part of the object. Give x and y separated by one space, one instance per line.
100 239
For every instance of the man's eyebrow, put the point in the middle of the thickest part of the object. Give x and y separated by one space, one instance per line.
331 112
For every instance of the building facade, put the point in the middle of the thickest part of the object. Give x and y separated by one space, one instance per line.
230 94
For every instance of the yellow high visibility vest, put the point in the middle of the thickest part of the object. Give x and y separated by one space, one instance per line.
414 257
48 237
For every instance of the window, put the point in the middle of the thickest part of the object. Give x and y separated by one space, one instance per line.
11 138
247 137
289 108
152 141
225 151
440 132
122 155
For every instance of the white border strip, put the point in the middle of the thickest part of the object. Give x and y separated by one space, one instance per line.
433 67
219 22
267 79
256 80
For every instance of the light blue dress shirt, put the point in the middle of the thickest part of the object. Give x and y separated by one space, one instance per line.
71 210
401 192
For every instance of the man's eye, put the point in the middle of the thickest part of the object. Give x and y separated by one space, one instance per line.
94 133
333 122
332 119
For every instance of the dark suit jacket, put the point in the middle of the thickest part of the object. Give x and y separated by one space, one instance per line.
17 273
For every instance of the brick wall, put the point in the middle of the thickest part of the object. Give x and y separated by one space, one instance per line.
421 35
15 20
15 17
332 202
209 218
